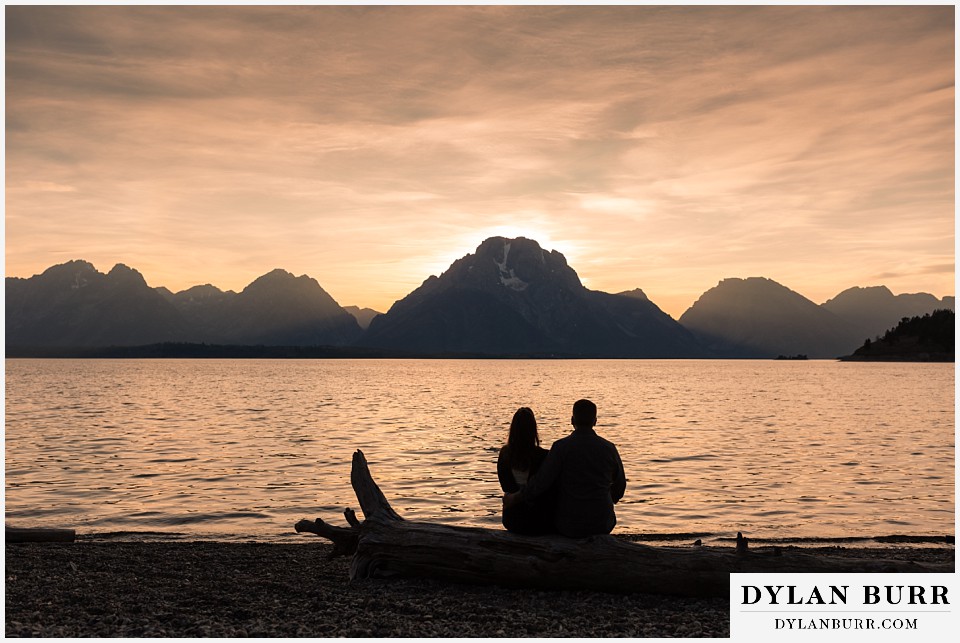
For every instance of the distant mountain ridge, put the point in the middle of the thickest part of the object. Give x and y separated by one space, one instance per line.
281 309
874 310
509 297
73 304
363 315
759 318
202 307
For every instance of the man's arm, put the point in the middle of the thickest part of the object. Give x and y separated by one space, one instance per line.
619 484
540 482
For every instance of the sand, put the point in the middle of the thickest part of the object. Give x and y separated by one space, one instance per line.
211 589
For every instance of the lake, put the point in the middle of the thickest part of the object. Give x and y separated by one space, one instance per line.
242 449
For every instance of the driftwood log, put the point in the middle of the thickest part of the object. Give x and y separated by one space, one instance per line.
386 545
39 535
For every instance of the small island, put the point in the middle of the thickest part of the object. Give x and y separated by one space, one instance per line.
929 338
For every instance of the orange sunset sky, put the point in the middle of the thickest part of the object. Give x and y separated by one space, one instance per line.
662 148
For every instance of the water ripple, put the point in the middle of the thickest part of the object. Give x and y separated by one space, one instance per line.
212 447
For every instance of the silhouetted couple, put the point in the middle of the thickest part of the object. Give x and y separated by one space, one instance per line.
569 490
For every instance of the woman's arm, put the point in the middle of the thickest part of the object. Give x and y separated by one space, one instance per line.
507 482
619 485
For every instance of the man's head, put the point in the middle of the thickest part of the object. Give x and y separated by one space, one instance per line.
584 414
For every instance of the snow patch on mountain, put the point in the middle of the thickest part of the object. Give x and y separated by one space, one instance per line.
79 281
507 276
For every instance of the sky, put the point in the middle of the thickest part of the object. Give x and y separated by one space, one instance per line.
662 148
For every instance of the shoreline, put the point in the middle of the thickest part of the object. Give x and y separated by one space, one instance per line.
220 589
662 539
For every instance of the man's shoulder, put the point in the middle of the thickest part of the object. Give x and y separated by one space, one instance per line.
560 445
604 443
577 436
607 442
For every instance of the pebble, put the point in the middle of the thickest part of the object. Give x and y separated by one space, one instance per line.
204 589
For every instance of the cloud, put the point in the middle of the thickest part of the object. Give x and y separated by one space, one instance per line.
948 268
669 146
41 186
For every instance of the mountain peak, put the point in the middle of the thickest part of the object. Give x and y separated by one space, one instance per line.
747 291
730 282
280 285
513 297
123 274
280 278
363 315
71 267
203 290
861 292
495 244
515 265
81 264
276 274
202 295
636 293
501 248
75 274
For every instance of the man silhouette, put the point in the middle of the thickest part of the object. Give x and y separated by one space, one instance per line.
586 472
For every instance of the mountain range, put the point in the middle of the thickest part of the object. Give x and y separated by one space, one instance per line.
73 304
508 298
759 318
875 310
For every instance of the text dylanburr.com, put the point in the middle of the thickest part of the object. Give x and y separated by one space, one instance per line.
843 607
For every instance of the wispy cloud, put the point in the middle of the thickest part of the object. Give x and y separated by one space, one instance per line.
666 148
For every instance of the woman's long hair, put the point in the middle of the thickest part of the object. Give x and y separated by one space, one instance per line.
523 439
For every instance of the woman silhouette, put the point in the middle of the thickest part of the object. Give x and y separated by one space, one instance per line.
519 460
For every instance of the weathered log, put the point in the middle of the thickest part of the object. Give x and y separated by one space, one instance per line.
344 540
39 535
385 545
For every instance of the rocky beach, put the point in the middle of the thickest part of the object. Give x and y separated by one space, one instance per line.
217 589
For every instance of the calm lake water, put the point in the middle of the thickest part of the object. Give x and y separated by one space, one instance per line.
243 449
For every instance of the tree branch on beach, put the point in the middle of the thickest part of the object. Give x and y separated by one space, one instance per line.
385 545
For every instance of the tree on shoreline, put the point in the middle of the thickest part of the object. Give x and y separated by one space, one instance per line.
929 337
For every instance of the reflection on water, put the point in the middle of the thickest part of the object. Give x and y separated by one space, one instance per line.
245 448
